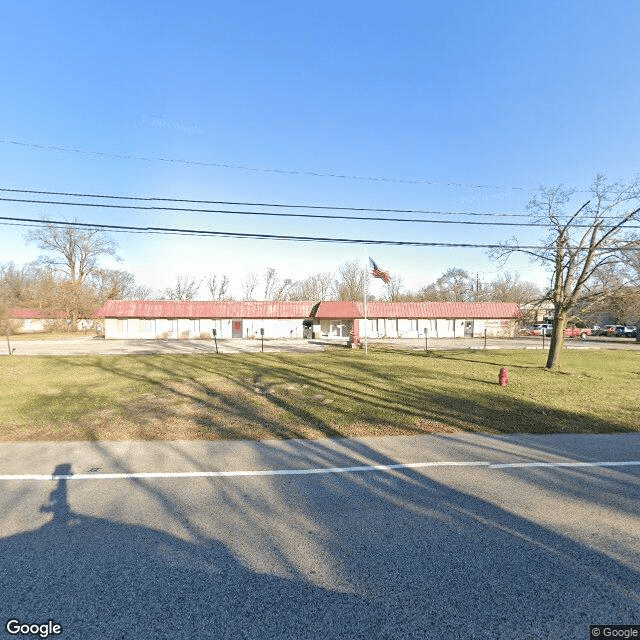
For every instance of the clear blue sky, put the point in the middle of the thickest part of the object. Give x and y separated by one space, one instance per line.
502 94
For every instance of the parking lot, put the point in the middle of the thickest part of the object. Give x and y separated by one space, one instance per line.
86 345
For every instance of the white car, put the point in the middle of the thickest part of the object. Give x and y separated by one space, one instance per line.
543 329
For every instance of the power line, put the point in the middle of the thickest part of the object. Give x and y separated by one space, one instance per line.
265 213
281 215
263 236
276 204
263 204
258 236
318 174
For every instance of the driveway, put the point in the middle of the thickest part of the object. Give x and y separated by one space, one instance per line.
85 345
95 346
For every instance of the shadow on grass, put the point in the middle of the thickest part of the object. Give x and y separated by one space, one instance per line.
275 396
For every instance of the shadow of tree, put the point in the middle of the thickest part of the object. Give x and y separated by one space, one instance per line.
280 397
400 555
102 579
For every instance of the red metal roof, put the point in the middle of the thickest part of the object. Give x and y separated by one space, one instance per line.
326 309
479 310
338 309
203 309
26 314
443 310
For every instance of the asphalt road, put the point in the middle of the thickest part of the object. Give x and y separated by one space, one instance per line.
484 543
84 345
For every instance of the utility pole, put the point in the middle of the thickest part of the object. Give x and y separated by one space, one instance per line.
8 343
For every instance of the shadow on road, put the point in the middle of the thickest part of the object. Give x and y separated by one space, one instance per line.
102 579
372 555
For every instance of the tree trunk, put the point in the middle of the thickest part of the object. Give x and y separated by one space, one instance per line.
557 340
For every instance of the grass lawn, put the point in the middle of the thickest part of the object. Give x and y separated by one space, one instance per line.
335 393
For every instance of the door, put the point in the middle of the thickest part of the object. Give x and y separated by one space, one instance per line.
236 328
468 328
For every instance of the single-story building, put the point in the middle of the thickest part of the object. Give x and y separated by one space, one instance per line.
412 319
164 319
30 320
34 320
538 312
161 319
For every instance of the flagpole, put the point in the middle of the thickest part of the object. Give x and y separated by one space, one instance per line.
366 286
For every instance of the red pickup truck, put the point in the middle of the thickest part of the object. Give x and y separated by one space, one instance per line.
547 329
577 332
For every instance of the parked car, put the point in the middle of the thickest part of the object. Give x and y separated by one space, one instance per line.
538 330
547 330
607 330
622 331
577 332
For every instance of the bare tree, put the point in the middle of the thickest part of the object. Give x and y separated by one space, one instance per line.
217 287
580 245
622 300
508 287
315 287
116 284
454 285
71 250
624 305
270 283
350 282
15 283
7 325
283 290
185 288
249 284
393 289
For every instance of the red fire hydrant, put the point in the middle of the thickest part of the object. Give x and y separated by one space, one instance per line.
503 377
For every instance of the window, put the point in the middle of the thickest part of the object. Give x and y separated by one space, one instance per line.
122 325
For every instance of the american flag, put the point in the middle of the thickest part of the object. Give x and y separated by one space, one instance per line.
379 273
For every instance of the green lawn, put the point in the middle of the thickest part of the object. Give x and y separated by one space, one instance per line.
335 393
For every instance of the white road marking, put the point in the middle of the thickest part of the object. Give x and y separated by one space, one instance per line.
513 465
301 472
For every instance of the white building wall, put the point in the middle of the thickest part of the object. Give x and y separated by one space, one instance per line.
408 328
390 328
32 324
479 327
444 328
198 328
335 328
372 328
273 328
506 328
429 324
186 328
